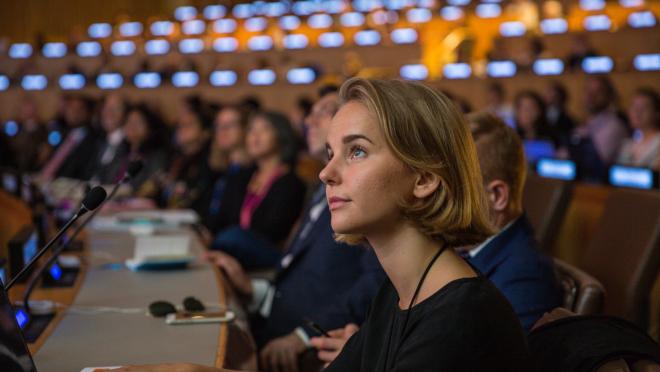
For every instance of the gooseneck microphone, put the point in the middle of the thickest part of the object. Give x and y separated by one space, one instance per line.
133 169
92 200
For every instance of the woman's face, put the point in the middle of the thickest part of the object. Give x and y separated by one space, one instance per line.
527 113
365 182
189 130
261 139
641 113
228 133
136 128
112 113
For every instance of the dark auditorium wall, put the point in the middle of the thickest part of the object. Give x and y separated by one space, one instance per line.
21 20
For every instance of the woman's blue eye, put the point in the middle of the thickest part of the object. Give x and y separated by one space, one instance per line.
358 153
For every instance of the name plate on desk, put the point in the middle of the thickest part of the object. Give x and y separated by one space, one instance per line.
161 252
152 219
161 245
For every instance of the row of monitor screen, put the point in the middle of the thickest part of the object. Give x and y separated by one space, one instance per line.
309 7
619 175
306 75
295 41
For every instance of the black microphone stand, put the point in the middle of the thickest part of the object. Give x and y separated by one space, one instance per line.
92 200
134 169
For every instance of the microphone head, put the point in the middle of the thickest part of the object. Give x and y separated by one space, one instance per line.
134 168
94 198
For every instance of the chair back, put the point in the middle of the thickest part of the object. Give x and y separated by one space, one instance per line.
545 201
624 252
583 294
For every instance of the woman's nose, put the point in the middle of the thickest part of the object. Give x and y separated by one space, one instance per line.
329 175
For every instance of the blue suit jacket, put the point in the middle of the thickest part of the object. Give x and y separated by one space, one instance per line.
525 276
329 282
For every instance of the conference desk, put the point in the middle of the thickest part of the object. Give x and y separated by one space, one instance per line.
107 325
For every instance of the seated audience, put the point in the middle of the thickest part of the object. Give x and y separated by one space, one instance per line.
344 281
146 139
27 141
227 155
559 120
530 116
510 259
187 178
497 105
111 149
260 204
595 143
643 150
413 202
70 157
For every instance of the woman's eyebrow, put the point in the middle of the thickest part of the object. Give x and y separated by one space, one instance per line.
353 137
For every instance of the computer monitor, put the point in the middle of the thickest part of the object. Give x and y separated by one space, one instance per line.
22 247
538 149
14 354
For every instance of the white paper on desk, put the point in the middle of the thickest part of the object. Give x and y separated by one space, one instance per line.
161 245
171 217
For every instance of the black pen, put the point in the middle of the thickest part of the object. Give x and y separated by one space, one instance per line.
316 327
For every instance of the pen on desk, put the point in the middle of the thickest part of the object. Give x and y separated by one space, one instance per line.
316 327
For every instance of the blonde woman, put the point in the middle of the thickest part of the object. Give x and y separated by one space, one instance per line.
403 176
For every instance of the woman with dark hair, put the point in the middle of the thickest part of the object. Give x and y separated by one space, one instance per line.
530 116
643 150
110 147
532 126
146 139
187 178
260 204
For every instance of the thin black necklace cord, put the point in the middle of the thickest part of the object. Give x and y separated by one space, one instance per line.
412 302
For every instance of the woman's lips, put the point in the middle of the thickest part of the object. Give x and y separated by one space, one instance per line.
336 202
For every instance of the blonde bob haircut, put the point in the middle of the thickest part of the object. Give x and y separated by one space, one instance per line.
426 132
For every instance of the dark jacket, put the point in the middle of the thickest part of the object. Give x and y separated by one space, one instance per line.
328 282
525 276
275 215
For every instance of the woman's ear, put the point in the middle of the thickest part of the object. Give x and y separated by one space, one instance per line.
426 183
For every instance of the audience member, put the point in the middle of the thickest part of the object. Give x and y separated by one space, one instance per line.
187 178
344 281
496 103
596 142
386 187
559 120
530 116
111 148
511 259
643 150
260 204
227 157
27 140
70 158
147 139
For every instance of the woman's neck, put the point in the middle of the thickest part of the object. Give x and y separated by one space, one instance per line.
268 164
238 156
405 253
191 148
